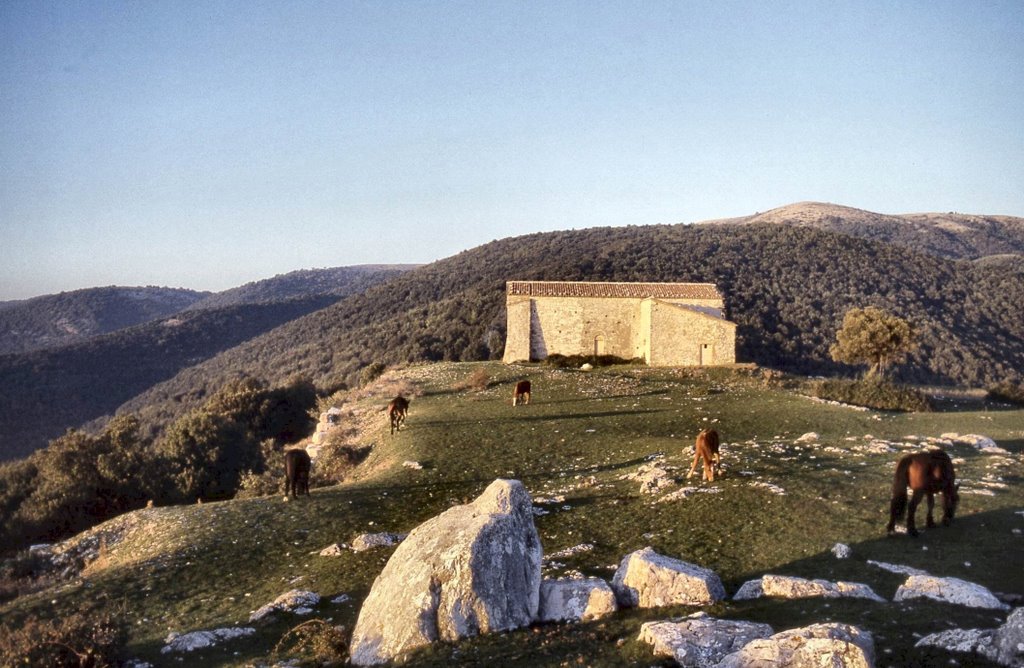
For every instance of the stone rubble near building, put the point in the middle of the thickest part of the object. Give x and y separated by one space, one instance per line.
949 590
699 639
188 642
296 601
575 599
475 568
647 579
784 586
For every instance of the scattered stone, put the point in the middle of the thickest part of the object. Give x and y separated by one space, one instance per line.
653 479
784 586
897 568
809 437
949 590
475 568
367 541
573 600
647 579
188 642
296 601
842 551
570 551
333 550
982 443
341 598
774 489
412 465
701 640
834 645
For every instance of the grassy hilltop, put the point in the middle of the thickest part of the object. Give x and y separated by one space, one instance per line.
208 566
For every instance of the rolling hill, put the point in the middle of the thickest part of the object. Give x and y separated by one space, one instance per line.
70 317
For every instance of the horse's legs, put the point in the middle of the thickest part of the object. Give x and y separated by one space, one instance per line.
915 499
931 505
696 458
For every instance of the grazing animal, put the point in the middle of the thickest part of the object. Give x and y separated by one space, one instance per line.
925 473
521 395
707 449
296 473
397 409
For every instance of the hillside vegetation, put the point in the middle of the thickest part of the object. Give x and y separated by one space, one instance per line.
70 317
784 500
787 288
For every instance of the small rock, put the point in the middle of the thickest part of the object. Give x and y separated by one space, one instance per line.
367 541
647 579
949 590
699 639
842 551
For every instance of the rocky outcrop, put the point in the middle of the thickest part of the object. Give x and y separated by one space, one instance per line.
949 590
833 645
189 642
296 601
474 568
701 640
1003 645
575 599
784 586
647 579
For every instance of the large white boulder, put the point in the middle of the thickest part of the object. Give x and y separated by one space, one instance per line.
575 599
701 640
833 645
647 579
474 568
1003 645
949 590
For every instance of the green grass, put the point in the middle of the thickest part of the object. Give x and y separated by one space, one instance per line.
208 566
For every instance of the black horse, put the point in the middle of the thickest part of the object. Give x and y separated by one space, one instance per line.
296 473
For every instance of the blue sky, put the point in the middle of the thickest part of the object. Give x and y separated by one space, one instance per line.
206 144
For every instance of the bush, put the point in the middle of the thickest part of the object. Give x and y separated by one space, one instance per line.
76 639
1010 392
872 393
478 380
371 372
336 460
324 643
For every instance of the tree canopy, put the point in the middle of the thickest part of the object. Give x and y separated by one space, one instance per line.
874 337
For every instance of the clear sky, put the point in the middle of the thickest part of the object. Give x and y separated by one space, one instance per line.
206 144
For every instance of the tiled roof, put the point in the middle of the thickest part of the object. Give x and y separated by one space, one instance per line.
635 290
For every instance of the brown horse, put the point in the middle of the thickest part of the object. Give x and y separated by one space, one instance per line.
926 473
296 473
522 393
397 409
707 449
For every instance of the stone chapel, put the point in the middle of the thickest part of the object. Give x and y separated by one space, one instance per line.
666 324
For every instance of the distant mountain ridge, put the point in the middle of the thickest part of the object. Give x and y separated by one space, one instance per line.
70 317
952 235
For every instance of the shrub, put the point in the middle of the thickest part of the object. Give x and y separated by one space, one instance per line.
478 380
872 393
323 642
371 372
336 460
1008 391
77 639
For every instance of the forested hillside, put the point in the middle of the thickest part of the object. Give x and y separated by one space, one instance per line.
786 287
47 391
336 281
69 317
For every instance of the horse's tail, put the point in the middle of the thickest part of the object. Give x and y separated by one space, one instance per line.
898 507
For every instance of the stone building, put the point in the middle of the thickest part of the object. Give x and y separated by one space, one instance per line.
667 324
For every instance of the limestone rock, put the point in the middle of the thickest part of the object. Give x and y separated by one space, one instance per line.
366 541
1009 640
295 601
649 580
474 568
575 599
949 590
842 551
187 642
783 586
833 645
701 640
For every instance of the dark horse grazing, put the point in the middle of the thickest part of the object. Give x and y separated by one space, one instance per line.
397 410
707 449
296 473
522 393
925 473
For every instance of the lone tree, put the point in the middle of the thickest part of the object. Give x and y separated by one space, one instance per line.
873 337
